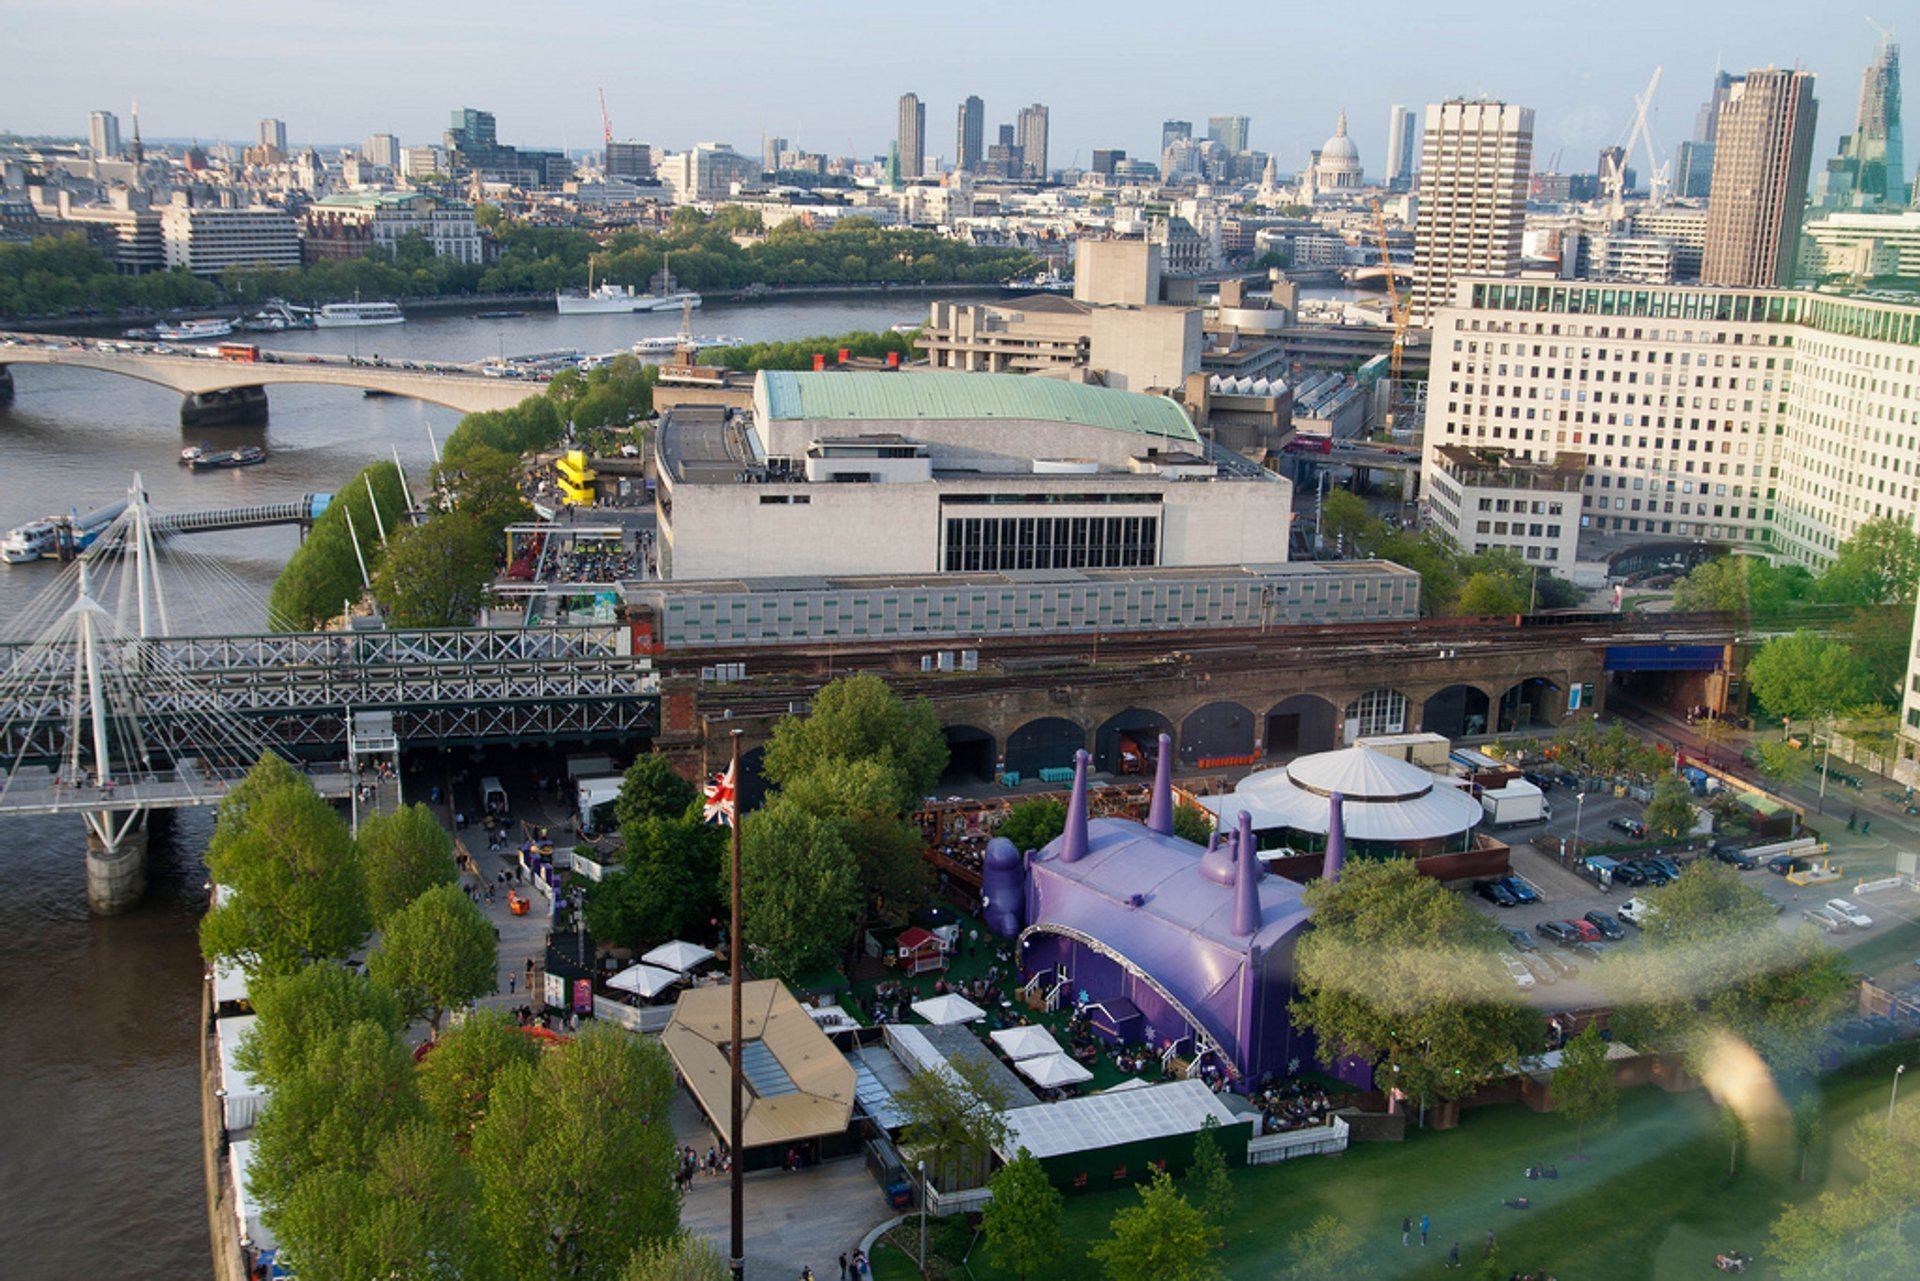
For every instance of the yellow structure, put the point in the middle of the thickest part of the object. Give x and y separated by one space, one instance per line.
576 478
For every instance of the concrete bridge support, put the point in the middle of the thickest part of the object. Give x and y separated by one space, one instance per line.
116 871
226 407
6 385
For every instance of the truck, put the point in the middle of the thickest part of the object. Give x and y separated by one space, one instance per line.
595 798
1636 910
1518 802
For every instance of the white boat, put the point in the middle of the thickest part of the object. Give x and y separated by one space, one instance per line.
277 316
350 315
192 330
667 343
607 298
30 541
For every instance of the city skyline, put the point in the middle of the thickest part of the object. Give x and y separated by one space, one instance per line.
1097 98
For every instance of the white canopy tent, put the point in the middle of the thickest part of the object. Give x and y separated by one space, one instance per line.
948 1009
679 956
1027 1042
1052 1071
240 1096
647 980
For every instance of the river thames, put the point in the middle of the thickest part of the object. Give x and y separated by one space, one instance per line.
100 1167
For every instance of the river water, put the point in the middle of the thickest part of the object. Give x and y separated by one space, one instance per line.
100 1171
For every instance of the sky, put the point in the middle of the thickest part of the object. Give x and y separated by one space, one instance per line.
828 76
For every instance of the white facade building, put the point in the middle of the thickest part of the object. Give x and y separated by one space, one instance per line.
353 222
208 241
1475 161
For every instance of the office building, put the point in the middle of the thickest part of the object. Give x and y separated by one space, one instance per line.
417 164
1229 131
970 135
770 149
1693 170
1401 135
350 224
1172 131
1763 145
1868 173
629 162
1483 500
1105 161
1033 140
272 134
912 136
1474 161
207 241
1862 246
103 135
706 173
1126 348
382 149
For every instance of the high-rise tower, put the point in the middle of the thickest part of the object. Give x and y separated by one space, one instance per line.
1401 133
103 135
1230 132
912 136
1032 137
1762 148
970 134
1475 161
1869 171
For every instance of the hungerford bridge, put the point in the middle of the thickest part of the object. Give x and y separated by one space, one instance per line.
106 713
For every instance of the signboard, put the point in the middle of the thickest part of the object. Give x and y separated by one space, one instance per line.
1573 698
583 996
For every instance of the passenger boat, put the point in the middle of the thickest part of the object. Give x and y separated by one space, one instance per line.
30 541
227 459
350 315
192 330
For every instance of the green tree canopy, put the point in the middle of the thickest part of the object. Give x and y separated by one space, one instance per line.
1486 592
293 889
1325 1248
859 718
1191 823
1208 1177
437 953
799 887
652 789
1403 973
860 799
1741 585
296 1012
1879 565
667 886
405 854
1344 519
1033 822
1022 1222
456 1080
1162 1239
436 574
1670 813
1804 675
1584 1091
953 1121
1869 1231
686 1257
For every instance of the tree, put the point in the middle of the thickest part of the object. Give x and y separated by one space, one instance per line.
1034 822
405 854
1670 813
436 953
667 885
1022 1222
686 1257
1191 823
293 889
435 574
953 1122
297 1012
1161 1239
1212 1184
1327 1247
1745 585
1804 675
456 1080
1435 562
1868 1231
1402 973
576 1158
799 887
859 799
652 789
859 718
1583 1088
1879 565
1489 593
1344 519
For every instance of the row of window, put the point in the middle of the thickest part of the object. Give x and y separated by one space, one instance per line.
1051 542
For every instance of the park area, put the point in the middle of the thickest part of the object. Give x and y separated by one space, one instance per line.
1652 1198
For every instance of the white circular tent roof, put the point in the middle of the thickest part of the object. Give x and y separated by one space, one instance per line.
1384 799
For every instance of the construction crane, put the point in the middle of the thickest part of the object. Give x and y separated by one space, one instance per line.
606 121
1400 313
1614 172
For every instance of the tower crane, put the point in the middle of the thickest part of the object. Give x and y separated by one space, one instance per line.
1400 313
1614 172
606 121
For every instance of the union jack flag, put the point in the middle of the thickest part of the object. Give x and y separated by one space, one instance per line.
720 799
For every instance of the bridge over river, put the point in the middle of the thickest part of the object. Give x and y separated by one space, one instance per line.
232 390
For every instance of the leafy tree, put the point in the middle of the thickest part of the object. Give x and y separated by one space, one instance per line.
1191 823
1327 1247
953 1122
436 574
1879 565
1022 1222
355 1092
438 952
1404 974
1782 762
297 893
667 885
1434 561
456 1080
799 887
1877 635
1212 1184
405 853
1869 1231
1489 593
859 718
1344 519
1162 1239
485 485
1804 675
1583 1089
1741 585
576 1158
1670 813
1034 822
860 799
324 572
652 789
298 1012
686 1257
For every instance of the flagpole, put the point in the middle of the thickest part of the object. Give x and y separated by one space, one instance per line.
737 1259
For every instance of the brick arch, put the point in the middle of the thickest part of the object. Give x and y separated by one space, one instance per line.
1220 731
1044 742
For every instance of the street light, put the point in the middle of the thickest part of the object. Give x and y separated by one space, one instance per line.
1892 1099
923 1215
1579 806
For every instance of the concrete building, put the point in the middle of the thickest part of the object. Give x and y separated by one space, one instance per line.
629 162
1686 228
706 173
382 149
1106 161
103 135
931 473
1032 139
1646 260
348 225
1131 348
417 163
1765 420
272 135
1118 273
207 241
124 229
1869 171
1762 148
1474 162
1402 133
970 135
1485 500
912 136
1230 132
1863 246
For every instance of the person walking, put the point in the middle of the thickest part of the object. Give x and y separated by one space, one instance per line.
1406 1230
1453 1256
1488 1252
1425 1223
843 1268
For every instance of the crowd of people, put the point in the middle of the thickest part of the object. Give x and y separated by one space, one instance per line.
714 1164
1291 1105
602 560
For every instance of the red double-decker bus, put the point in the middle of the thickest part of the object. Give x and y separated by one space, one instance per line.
238 351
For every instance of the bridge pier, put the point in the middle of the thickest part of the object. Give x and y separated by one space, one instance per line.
117 872
225 407
6 385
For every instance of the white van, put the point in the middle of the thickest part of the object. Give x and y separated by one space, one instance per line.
493 797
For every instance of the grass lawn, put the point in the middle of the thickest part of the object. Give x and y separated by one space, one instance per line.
1653 1199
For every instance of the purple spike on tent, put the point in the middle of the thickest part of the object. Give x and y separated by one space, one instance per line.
1160 808
1336 838
1073 846
1246 883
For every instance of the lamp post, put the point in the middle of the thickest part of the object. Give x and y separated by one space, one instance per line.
923 1215
1579 806
1826 759
1892 1098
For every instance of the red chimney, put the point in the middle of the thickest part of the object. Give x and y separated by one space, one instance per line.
819 361
844 354
893 360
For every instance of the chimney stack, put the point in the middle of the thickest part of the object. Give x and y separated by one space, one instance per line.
1074 848
1246 881
1336 838
1160 807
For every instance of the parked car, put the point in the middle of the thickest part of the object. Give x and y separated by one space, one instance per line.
1543 969
1787 864
1521 891
1825 920
1605 923
1847 911
1586 930
1522 941
1561 962
1631 826
1630 873
1557 931
1736 857
1540 780
1653 872
1582 948
1668 865
1636 910
1495 893
1522 976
